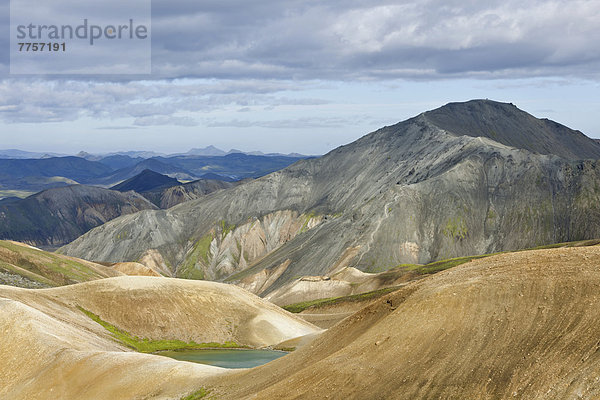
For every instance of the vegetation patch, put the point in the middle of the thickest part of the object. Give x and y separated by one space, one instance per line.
189 269
144 345
299 307
198 394
307 219
441 265
225 229
121 235
420 269
12 269
455 228
55 269
286 349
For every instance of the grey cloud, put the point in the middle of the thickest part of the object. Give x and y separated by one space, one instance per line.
212 55
349 40
34 100
382 40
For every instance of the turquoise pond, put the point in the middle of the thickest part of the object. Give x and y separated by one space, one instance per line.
226 358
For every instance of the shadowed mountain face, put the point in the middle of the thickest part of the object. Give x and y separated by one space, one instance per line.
146 181
166 192
57 216
414 192
151 164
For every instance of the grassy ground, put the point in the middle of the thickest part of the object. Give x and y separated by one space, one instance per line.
198 394
420 269
441 265
44 267
144 345
299 307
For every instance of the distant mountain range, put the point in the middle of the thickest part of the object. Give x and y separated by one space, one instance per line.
213 151
15 153
203 151
166 192
33 175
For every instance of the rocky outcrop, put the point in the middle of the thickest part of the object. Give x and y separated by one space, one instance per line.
153 260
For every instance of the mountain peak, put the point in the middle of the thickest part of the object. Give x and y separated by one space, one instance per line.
507 124
206 151
145 181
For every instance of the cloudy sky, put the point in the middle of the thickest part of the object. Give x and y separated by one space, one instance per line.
307 76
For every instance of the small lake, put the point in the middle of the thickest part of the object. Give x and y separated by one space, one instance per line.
226 358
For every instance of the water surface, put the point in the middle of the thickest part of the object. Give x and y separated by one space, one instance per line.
226 358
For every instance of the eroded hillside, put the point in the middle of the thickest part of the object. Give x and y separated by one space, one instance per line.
517 325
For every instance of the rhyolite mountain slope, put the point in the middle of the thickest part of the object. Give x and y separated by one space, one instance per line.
52 347
57 216
511 326
417 191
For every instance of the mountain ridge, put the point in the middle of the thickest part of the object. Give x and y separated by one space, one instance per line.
34 175
407 193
